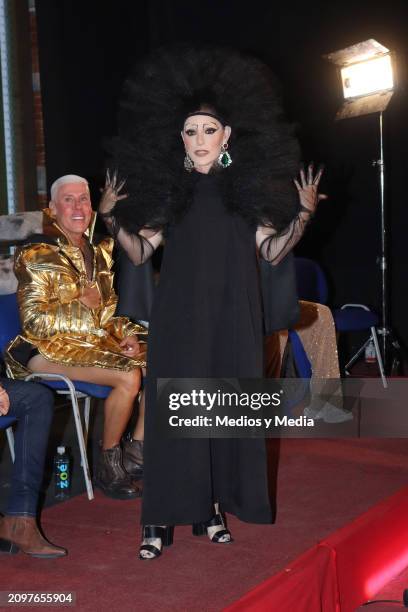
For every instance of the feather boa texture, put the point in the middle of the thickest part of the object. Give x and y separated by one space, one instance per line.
149 151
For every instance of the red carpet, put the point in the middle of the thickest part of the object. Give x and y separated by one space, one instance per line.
322 486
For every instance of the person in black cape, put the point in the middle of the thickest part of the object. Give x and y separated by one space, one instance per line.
217 213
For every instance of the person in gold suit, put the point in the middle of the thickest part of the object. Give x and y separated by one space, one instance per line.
67 305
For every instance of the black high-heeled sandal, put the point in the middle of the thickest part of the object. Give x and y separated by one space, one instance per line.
152 531
200 529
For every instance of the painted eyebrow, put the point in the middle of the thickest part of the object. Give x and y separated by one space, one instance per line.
195 125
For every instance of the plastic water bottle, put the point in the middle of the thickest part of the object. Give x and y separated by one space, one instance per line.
370 355
62 473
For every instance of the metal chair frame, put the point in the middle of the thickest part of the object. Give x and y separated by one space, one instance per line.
82 432
373 336
10 441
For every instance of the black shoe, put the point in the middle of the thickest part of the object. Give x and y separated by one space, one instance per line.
165 534
132 455
112 478
217 520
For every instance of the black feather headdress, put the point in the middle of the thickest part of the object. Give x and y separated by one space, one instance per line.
149 151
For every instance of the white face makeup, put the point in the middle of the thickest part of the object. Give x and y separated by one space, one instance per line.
203 137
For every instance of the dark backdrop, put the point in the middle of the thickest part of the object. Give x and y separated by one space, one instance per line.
86 49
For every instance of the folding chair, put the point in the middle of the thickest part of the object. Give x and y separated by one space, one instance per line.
356 317
312 286
9 328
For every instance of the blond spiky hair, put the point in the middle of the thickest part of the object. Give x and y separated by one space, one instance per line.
63 180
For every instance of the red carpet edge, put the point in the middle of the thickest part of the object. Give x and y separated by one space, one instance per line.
342 571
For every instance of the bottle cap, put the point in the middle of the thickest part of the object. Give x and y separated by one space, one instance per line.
60 450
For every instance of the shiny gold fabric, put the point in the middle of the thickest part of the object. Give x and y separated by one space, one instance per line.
64 330
317 332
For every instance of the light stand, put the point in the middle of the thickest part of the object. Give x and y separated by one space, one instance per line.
389 344
367 77
379 163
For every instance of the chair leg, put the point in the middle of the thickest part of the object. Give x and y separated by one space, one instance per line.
10 439
379 358
357 355
78 424
87 411
81 442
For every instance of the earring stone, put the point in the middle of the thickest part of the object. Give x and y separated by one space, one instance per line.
188 163
224 159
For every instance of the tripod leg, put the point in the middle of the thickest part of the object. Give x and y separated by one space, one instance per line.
379 358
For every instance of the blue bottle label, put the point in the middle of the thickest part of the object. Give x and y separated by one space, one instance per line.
62 480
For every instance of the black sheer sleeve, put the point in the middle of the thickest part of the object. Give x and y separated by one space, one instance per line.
273 246
139 247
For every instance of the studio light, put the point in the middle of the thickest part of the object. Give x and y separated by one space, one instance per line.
367 74
366 78
367 71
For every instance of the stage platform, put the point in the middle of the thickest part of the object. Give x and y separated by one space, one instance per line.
323 487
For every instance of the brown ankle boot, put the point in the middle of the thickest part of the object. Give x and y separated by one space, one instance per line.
21 533
133 457
112 478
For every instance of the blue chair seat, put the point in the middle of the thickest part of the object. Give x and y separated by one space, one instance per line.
300 390
97 391
354 319
303 365
10 319
6 421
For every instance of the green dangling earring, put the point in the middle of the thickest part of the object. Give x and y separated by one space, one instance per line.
224 158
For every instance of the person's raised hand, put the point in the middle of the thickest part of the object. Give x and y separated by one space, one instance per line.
308 186
111 193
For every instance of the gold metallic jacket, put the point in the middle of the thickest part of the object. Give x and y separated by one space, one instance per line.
54 321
